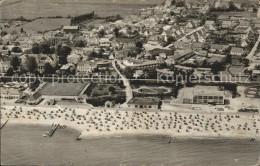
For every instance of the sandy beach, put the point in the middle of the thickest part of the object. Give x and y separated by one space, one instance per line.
99 122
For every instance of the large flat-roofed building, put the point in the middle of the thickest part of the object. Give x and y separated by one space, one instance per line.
208 95
204 95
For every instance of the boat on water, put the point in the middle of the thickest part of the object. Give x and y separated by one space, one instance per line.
78 139
252 139
44 135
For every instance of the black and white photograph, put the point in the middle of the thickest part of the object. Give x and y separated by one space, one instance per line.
130 82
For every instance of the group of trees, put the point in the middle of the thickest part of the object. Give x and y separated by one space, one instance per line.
216 67
42 48
31 64
128 72
48 69
9 72
94 55
114 18
177 3
3 33
232 88
116 32
139 44
62 53
15 62
16 49
101 33
80 43
82 18
100 101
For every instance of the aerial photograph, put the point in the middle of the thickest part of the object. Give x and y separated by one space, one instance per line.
130 82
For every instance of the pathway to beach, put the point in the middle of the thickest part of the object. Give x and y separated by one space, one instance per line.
110 122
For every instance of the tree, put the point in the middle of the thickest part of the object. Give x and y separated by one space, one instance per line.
21 30
204 63
128 72
229 59
100 53
180 4
173 2
139 44
16 49
45 48
80 43
246 62
9 72
112 89
31 64
35 49
42 48
15 62
92 55
3 33
48 69
116 32
63 52
232 6
217 67
119 17
101 33
232 88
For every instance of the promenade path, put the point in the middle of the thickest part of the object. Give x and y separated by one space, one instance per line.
129 92
252 52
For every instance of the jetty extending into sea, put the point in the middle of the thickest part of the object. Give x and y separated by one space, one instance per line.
2 126
53 130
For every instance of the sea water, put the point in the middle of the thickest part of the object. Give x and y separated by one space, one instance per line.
25 145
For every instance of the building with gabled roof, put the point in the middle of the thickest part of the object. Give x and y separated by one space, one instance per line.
144 103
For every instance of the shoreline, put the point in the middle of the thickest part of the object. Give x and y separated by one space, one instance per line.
91 135
100 122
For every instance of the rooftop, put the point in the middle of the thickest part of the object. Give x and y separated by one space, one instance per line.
207 90
71 27
144 101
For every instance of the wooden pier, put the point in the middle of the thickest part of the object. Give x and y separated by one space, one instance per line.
4 124
53 130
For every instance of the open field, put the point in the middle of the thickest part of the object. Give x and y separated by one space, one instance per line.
103 90
62 89
38 8
43 24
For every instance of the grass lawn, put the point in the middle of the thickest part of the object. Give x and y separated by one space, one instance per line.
43 24
62 89
153 90
235 70
42 8
103 90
